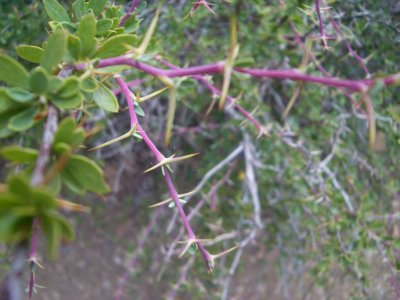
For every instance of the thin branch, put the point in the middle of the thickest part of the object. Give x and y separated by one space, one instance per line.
131 9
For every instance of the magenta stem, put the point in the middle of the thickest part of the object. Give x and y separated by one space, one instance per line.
218 67
321 27
213 68
174 194
130 84
300 43
131 9
134 120
295 75
348 46
215 91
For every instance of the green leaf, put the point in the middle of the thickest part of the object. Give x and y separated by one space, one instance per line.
4 119
24 211
54 50
74 47
74 101
7 223
42 199
39 80
22 229
139 111
22 121
20 95
132 25
61 148
8 201
12 72
244 62
69 134
71 182
67 231
55 11
5 101
54 185
53 232
86 33
30 53
97 6
116 45
87 173
70 87
79 9
103 26
18 154
113 12
105 98
19 185
89 84
55 84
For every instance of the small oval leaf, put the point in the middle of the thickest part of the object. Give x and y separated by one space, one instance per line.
30 53
105 98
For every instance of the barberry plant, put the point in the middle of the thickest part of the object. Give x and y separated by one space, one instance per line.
92 51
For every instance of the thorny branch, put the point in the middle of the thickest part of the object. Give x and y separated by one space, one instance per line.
12 286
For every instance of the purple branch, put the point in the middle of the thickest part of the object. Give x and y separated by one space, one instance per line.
348 46
11 288
321 27
295 75
218 67
215 91
133 83
319 66
213 68
131 9
174 194
134 120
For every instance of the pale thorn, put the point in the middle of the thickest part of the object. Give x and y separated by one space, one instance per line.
196 6
149 33
92 131
169 160
189 243
233 53
216 256
87 73
166 80
117 139
40 286
132 52
170 199
142 99
251 114
35 261
307 10
212 104
263 132
229 64
152 95
234 99
161 203
70 206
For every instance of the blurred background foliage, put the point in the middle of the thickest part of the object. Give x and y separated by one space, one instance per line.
305 170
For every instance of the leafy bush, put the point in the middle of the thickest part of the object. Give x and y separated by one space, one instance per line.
319 183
